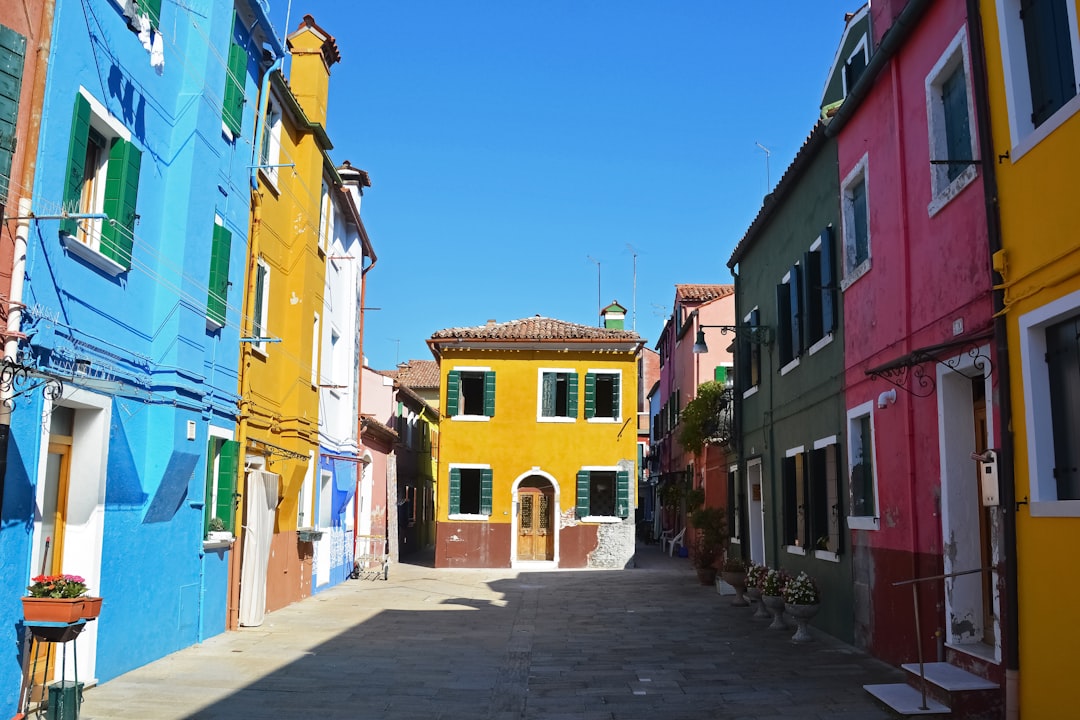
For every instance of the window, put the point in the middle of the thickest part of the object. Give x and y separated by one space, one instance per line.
331 362
316 340
326 218
12 53
793 487
1040 48
853 192
218 293
603 493
950 120
558 397
325 517
232 106
470 393
305 501
824 492
748 357
819 284
102 177
261 306
270 147
736 504
470 492
1050 357
863 513
789 315
221 473
602 395
855 65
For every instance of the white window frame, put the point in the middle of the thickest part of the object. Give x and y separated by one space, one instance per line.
468 466
305 500
264 306
540 416
1042 488
324 518
860 47
826 337
780 324
604 468
793 452
942 189
752 390
271 152
461 417
1022 131
863 522
859 173
618 406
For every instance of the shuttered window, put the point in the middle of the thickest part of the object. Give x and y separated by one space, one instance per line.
861 234
1049 56
222 466
824 491
470 491
558 394
235 79
957 122
602 395
12 54
789 314
218 295
603 493
1063 367
470 392
794 500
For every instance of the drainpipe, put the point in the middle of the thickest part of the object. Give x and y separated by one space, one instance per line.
1006 473
359 396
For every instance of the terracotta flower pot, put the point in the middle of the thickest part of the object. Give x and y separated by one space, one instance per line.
63 610
91 607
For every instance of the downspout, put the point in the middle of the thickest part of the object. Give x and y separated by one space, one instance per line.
244 405
1011 640
359 397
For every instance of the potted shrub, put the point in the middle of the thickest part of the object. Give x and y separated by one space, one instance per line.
755 576
710 539
772 594
216 532
802 602
55 598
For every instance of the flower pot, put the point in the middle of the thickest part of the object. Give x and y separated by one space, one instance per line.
60 610
775 605
802 615
91 607
736 580
755 598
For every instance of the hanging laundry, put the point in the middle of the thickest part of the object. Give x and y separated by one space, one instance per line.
157 54
144 32
128 9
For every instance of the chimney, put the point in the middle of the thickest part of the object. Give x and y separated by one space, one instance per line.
314 51
614 316
355 180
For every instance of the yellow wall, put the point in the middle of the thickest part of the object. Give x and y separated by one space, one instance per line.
513 442
1041 242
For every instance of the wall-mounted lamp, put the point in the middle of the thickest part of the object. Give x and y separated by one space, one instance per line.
886 399
757 334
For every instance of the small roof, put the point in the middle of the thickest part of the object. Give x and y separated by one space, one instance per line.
417 374
329 45
702 293
535 328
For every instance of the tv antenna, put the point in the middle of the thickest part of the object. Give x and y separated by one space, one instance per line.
768 179
599 306
634 253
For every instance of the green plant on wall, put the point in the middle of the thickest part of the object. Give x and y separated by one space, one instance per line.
702 420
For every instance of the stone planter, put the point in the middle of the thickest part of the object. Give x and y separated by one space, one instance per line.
755 597
802 615
736 580
775 605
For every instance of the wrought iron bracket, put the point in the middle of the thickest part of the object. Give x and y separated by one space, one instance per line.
17 380
909 373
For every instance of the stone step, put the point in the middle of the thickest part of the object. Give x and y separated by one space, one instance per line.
949 677
906 700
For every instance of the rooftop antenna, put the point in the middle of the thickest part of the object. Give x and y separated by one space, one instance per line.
397 350
599 307
634 253
768 179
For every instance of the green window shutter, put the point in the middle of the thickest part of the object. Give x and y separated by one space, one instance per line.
720 373
76 165
590 395
228 467
582 493
217 298
783 317
208 496
453 392
572 395
12 53
957 125
121 194
485 491
489 393
616 396
455 492
828 280
622 493
233 105
260 289
796 311
153 9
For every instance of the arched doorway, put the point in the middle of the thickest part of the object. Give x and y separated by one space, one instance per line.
536 519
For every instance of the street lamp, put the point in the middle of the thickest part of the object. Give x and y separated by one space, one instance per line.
757 334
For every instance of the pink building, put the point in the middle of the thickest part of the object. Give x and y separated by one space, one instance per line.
921 394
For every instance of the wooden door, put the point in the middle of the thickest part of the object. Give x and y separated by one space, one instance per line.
536 537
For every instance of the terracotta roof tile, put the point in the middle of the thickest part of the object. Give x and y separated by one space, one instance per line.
535 328
701 293
418 374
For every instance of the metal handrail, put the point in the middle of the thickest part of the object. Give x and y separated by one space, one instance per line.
918 626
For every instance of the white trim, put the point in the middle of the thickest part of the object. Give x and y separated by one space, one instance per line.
470 418
101 114
863 522
556 514
467 516
827 556
264 307
859 172
618 406
609 519
860 46
792 452
794 550
794 363
954 57
823 342
825 442
750 391
470 368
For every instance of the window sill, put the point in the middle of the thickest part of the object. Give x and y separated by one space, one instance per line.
106 265
750 392
470 418
545 419
271 181
218 540
227 133
601 519
827 555
1055 508
820 344
604 420
795 550
213 325
1037 135
467 516
856 273
863 523
789 367
950 191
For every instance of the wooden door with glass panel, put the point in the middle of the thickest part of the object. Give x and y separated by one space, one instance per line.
536 533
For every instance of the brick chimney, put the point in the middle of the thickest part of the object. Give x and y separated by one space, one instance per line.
314 51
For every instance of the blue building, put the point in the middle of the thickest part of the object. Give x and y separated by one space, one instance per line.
124 471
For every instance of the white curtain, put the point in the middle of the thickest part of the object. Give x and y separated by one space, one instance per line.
262 491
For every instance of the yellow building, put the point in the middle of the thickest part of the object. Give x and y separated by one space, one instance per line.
1032 69
279 379
537 445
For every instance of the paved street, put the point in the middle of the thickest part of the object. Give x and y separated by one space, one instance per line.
642 644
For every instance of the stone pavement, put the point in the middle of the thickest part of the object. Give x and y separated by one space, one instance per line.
648 643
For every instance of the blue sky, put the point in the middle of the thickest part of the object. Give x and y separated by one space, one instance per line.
510 142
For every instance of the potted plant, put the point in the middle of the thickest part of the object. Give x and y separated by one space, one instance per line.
755 576
733 572
802 601
55 598
710 539
772 594
216 532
